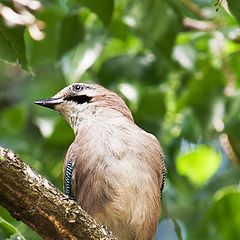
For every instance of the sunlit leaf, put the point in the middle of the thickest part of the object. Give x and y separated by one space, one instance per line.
77 61
199 164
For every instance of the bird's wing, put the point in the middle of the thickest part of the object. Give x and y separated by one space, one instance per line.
68 179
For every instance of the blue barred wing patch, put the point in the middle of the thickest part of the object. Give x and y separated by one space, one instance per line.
68 179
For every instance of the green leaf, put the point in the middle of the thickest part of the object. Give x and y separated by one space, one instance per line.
103 8
200 98
12 47
191 128
224 213
129 68
232 118
8 231
13 119
160 28
151 104
198 165
71 33
77 61
234 7
66 131
47 49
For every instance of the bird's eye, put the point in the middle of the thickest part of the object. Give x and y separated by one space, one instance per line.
77 87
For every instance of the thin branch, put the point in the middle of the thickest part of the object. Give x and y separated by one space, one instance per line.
193 8
31 198
190 24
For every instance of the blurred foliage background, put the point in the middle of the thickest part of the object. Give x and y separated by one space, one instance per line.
177 65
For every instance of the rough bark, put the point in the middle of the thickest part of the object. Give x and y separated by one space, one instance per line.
32 199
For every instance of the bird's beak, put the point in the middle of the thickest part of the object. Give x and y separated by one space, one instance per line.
49 102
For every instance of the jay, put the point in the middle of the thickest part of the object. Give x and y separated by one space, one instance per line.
113 169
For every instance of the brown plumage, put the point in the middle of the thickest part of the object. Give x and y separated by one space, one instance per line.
113 168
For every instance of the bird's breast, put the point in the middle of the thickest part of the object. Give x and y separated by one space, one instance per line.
114 176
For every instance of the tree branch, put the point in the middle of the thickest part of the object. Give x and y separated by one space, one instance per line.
31 198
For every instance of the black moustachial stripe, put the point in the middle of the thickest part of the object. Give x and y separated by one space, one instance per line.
68 179
79 99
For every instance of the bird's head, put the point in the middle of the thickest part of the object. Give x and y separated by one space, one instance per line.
80 101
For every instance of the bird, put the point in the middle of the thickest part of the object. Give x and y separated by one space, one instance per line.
113 169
